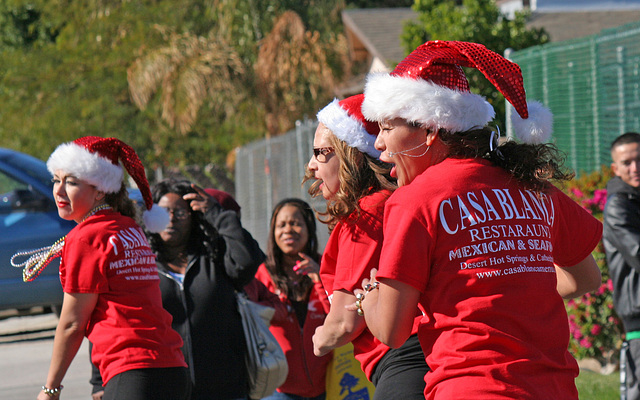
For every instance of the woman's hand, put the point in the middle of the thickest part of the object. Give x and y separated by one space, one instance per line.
200 201
362 292
307 267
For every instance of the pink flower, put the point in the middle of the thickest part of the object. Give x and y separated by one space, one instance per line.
586 343
610 285
595 330
600 198
577 192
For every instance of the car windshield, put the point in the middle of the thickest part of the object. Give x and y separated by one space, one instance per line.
31 166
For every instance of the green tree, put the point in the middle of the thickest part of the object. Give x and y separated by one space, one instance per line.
479 21
188 70
20 25
176 81
379 3
293 73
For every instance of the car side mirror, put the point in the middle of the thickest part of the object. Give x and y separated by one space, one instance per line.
24 200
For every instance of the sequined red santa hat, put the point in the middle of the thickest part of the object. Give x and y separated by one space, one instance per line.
430 87
96 160
345 120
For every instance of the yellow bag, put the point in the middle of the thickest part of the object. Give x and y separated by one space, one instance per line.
345 379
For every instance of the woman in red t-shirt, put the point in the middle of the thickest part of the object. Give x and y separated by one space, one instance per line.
291 271
476 233
356 185
109 277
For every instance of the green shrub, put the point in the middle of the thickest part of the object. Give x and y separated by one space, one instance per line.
595 328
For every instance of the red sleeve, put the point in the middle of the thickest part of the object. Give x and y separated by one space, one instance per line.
259 293
322 296
405 253
359 251
575 231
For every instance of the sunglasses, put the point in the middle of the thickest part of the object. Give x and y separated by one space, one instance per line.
321 153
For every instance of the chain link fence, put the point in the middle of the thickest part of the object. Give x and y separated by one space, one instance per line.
270 170
592 86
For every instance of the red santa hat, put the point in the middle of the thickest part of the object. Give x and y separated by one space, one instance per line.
96 160
345 120
225 199
430 87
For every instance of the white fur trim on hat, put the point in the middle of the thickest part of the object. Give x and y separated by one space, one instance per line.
156 219
76 160
418 100
347 129
537 128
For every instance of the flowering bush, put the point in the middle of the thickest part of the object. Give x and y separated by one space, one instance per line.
595 328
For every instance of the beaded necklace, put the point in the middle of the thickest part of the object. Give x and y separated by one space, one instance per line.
40 258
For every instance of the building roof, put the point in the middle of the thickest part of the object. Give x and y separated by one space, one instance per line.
379 30
571 25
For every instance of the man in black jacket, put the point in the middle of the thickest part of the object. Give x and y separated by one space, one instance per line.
621 238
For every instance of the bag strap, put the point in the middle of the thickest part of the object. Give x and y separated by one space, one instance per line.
624 354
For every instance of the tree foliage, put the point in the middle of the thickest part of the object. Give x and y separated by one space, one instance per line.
174 80
479 21
293 73
20 26
188 70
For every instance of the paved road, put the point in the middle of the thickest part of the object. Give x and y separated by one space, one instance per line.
25 351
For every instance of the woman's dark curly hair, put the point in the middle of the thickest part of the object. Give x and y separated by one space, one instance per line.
275 255
532 165
203 236
359 175
121 203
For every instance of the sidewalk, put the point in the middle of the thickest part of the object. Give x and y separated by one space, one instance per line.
15 327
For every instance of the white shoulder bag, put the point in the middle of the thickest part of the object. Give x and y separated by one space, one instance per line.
265 360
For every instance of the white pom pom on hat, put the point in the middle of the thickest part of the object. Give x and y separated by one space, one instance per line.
430 87
537 127
156 219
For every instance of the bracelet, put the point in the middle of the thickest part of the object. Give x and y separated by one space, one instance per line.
370 286
360 296
55 392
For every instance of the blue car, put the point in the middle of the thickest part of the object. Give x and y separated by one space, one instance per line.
29 220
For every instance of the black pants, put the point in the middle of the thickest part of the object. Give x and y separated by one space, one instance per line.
149 384
400 373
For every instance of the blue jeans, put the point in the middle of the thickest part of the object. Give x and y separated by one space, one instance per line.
285 396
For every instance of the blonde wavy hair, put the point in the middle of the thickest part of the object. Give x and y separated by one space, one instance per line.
359 175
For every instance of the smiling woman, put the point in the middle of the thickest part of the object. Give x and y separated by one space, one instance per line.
291 271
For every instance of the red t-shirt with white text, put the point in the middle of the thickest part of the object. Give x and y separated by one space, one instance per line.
108 254
481 250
